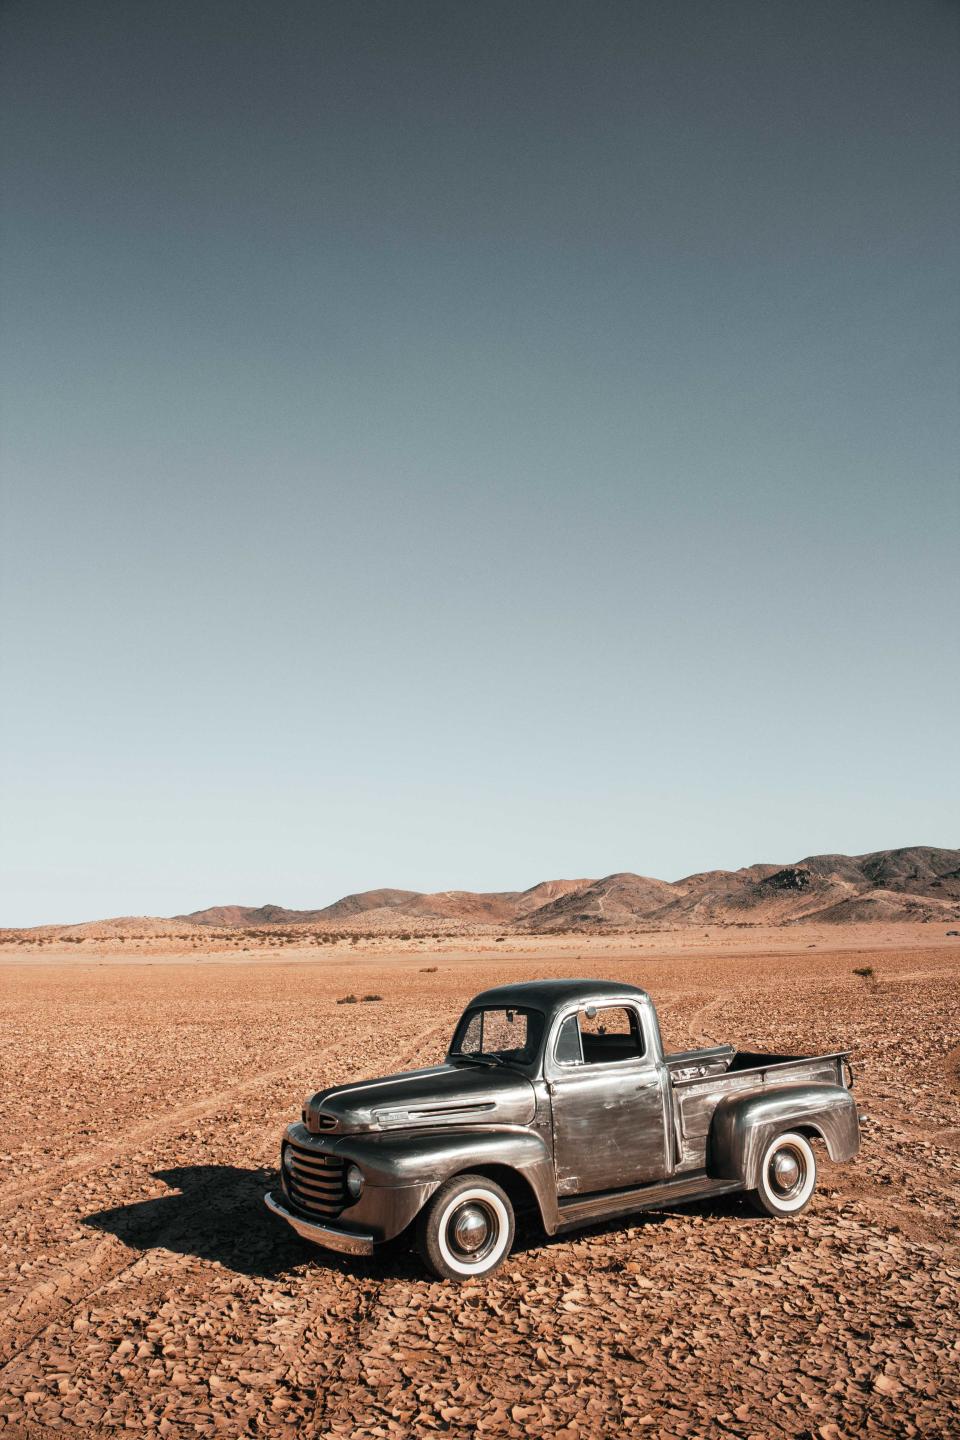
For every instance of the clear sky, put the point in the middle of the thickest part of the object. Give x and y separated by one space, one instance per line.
457 444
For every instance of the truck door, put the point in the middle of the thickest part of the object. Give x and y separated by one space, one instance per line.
607 1098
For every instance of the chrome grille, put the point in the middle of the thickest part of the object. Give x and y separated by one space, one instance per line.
315 1181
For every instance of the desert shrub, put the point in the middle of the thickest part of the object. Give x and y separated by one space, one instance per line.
347 1000
864 971
368 999
429 970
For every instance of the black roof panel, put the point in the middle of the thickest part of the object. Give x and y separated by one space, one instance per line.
550 995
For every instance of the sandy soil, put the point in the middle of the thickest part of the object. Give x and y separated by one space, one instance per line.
144 1288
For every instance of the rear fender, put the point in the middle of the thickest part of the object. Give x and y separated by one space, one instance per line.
742 1127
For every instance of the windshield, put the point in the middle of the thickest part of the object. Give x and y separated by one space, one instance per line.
500 1034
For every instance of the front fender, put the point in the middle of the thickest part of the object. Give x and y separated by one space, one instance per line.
403 1169
742 1127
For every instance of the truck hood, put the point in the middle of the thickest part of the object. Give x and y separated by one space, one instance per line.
441 1095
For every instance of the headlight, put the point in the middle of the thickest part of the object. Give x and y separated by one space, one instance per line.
286 1159
354 1179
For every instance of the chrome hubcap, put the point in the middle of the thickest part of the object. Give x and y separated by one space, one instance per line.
786 1173
470 1229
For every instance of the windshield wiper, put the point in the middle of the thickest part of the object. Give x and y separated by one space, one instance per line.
487 1061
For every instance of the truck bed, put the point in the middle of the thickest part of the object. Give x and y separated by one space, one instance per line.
700 1079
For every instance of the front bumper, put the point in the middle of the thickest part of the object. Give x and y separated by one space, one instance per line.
347 1242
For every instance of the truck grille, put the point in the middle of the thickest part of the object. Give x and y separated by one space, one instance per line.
315 1182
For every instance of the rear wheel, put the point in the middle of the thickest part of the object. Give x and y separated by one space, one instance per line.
787 1176
467 1229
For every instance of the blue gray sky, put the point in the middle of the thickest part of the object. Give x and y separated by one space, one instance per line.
458 444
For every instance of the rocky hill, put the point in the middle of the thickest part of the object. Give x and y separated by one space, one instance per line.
917 882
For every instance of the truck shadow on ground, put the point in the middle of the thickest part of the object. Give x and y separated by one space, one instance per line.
216 1212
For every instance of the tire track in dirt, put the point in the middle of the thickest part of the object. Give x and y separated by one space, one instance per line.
898 1125
693 1022
420 1044
183 1115
169 1120
53 1300
62 1301
51 1303
899 1215
931 1220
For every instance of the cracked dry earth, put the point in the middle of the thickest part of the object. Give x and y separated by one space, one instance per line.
144 1289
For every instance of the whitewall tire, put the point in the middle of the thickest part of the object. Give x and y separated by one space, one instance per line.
467 1229
787 1176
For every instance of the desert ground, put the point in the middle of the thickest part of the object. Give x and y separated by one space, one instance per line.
144 1289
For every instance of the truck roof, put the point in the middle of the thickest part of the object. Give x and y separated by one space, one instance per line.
549 995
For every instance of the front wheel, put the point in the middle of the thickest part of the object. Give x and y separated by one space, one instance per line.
467 1229
787 1176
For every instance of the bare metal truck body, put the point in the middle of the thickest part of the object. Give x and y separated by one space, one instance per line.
556 1100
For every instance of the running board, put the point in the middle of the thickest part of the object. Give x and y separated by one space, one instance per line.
609 1204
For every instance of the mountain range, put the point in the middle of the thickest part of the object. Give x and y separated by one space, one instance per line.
918 882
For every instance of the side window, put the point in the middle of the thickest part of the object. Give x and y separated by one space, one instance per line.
610 1032
600 1035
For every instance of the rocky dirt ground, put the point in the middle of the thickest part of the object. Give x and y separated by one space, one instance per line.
144 1289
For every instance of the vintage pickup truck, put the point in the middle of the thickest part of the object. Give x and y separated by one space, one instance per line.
556 1101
